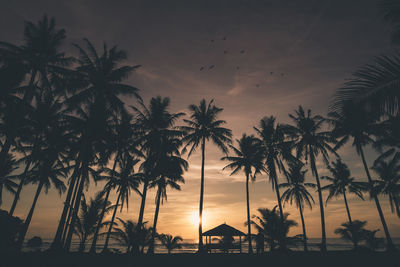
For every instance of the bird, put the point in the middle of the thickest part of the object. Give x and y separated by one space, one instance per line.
202 68
241 51
237 67
212 41
225 52
224 38
212 66
282 74
271 72
257 85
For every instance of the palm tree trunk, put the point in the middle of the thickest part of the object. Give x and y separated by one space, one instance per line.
389 242
21 183
112 222
321 202
203 148
4 150
278 197
75 209
396 205
61 224
29 217
82 244
248 214
70 211
96 234
347 207
141 212
304 228
153 235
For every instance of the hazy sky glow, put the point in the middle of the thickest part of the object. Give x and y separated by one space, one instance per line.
316 45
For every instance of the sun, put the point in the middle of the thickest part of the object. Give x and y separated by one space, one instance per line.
194 216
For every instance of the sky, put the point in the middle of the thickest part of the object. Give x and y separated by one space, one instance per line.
268 57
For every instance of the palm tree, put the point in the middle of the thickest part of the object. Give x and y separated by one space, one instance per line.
353 122
274 228
342 182
374 87
388 178
47 171
353 231
168 170
6 178
277 150
89 217
309 142
98 84
204 126
170 242
130 235
249 157
297 192
125 180
372 241
153 122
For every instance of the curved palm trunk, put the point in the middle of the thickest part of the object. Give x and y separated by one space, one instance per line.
61 224
112 222
21 183
141 212
248 214
304 228
347 207
75 209
389 242
153 235
29 217
70 211
96 234
396 205
203 148
278 197
82 244
321 202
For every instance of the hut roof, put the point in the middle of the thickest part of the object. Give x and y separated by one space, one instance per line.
223 230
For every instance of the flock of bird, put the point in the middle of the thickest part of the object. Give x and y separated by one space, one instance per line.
212 66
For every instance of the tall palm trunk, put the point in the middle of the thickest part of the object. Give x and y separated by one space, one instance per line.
141 212
278 197
82 243
248 215
21 183
70 211
347 206
389 242
57 238
153 235
321 202
75 209
304 227
111 224
203 148
96 234
29 217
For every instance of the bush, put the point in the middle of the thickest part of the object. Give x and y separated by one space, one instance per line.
10 227
35 242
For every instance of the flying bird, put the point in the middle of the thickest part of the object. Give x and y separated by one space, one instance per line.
212 41
241 51
271 72
282 74
257 85
202 68
212 66
224 38
237 67
225 52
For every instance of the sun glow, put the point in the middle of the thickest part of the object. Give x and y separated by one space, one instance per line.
195 218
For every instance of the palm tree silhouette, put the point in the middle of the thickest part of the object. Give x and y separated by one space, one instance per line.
353 232
354 122
297 192
170 242
342 182
204 126
153 123
390 10
249 156
89 217
7 167
388 178
168 171
309 142
277 150
125 180
130 235
274 228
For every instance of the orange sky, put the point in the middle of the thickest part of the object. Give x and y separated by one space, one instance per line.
316 44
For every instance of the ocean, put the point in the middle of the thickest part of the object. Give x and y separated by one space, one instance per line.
190 246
